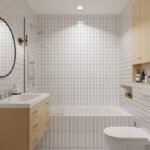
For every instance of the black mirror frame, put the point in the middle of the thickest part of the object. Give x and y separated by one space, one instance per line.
14 50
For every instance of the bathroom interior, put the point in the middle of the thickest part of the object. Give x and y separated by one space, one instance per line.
74 75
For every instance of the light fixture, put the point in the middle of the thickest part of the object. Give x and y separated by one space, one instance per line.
80 7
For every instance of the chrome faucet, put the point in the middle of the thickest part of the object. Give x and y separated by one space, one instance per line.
1 96
4 93
8 91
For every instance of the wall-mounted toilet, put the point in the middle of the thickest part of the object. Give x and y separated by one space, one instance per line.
126 138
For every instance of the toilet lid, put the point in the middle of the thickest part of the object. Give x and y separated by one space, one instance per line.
130 133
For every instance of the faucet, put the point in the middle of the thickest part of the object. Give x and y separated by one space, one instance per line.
5 93
9 91
1 96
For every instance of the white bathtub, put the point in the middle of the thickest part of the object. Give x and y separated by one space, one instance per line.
88 111
82 127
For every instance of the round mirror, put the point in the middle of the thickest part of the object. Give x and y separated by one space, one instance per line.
7 49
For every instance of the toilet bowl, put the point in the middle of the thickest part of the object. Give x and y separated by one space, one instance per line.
126 138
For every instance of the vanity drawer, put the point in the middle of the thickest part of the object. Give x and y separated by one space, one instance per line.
38 118
38 129
38 109
46 124
35 139
39 121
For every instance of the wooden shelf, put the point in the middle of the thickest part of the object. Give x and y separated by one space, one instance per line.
139 67
126 98
126 85
134 69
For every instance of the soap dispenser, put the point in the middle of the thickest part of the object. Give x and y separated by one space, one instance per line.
15 90
143 77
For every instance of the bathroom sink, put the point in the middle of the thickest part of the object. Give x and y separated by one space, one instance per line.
23 101
24 97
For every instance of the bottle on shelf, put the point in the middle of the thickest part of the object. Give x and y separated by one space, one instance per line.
143 77
138 76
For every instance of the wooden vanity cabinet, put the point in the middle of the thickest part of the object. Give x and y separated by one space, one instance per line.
22 128
141 32
145 31
39 121
136 27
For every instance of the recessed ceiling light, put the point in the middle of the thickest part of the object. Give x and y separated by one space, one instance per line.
80 7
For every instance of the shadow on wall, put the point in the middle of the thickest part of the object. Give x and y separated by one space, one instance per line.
98 22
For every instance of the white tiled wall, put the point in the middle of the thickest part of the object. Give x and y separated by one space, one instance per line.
139 106
79 59
13 11
125 55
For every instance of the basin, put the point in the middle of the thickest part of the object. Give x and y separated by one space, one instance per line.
24 97
23 101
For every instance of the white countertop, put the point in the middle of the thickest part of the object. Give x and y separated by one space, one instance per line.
27 100
137 85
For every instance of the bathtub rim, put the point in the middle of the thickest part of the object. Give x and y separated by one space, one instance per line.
121 111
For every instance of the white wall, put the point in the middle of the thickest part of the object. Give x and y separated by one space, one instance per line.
125 55
80 59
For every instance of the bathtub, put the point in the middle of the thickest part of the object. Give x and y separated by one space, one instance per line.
82 127
88 111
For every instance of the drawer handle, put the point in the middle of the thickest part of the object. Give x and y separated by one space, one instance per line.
35 140
35 126
47 123
47 103
35 112
47 113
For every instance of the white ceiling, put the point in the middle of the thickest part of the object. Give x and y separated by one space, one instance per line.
69 6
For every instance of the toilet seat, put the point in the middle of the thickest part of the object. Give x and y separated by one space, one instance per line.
126 138
126 133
